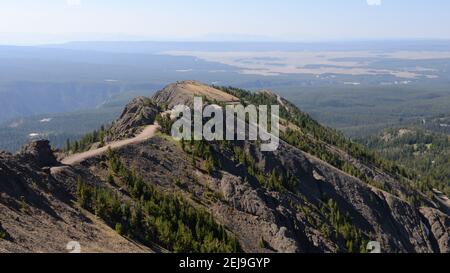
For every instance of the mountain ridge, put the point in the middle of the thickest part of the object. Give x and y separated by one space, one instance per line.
289 200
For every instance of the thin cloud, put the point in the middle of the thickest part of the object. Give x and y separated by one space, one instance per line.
374 2
73 3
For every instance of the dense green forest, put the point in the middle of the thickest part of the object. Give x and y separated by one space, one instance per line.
425 153
57 130
366 109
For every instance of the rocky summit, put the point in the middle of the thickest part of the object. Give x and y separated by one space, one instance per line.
318 192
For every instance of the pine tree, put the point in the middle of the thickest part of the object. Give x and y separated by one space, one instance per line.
119 229
84 194
194 162
68 146
262 243
3 233
111 179
209 165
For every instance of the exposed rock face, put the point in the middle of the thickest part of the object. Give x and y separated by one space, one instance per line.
39 153
139 112
438 227
254 202
382 217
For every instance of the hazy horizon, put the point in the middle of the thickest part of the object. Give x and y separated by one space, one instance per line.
26 22
104 38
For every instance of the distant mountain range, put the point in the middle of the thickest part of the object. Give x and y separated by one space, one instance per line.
252 46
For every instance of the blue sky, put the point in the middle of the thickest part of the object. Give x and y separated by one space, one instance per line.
287 20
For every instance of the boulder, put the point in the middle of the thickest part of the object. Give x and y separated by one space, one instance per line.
39 153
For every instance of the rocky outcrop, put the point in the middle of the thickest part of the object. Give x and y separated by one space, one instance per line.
246 198
140 112
438 227
38 153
